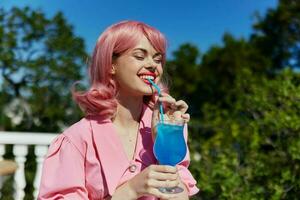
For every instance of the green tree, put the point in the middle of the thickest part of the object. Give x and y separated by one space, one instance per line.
250 151
221 65
184 72
40 59
246 141
277 34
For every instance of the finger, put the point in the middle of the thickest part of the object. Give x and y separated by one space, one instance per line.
177 115
154 98
168 102
167 99
186 117
166 183
155 192
163 176
155 114
155 119
163 168
182 106
168 116
156 109
164 94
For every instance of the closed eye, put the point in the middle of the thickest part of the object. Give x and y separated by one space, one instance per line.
139 57
157 58
158 61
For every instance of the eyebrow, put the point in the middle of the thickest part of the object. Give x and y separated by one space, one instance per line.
145 51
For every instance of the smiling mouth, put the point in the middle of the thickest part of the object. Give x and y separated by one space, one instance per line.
145 78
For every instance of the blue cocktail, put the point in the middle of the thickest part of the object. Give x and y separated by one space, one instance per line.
170 146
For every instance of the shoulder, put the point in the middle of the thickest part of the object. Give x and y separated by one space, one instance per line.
79 134
78 131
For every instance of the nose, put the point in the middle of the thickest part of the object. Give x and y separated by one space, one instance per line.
151 68
150 65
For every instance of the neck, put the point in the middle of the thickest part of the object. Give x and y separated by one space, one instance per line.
128 111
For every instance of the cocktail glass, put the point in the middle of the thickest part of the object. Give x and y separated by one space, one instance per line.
170 146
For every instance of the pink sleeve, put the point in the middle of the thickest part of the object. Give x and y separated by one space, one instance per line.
185 175
63 172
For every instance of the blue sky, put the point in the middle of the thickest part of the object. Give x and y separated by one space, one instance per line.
201 22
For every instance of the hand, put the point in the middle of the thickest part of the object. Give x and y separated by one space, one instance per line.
151 178
173 110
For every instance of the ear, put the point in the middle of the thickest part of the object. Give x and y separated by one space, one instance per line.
113 69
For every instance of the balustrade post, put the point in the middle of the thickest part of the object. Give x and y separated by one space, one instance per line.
40 152
2 151
20 152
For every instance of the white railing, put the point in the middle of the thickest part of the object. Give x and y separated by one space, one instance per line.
20 142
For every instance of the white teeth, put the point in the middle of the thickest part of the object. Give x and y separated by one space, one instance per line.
147 77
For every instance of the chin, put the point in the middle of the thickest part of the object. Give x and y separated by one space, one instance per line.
147 92
142 90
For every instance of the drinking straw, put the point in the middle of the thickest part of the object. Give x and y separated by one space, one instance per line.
160 104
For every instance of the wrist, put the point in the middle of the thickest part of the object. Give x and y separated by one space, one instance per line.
132 194
125 190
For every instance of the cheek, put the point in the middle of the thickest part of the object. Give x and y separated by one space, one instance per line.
160 69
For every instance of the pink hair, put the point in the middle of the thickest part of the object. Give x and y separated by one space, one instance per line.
100 99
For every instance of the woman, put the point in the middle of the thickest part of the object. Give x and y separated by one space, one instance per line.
108 154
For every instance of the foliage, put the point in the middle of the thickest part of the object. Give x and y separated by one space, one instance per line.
239 146
40 59
277 34
184 70
244 140
220 67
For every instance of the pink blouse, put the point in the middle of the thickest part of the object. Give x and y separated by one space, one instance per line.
88 161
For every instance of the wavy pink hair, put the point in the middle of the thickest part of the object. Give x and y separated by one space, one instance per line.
100 99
